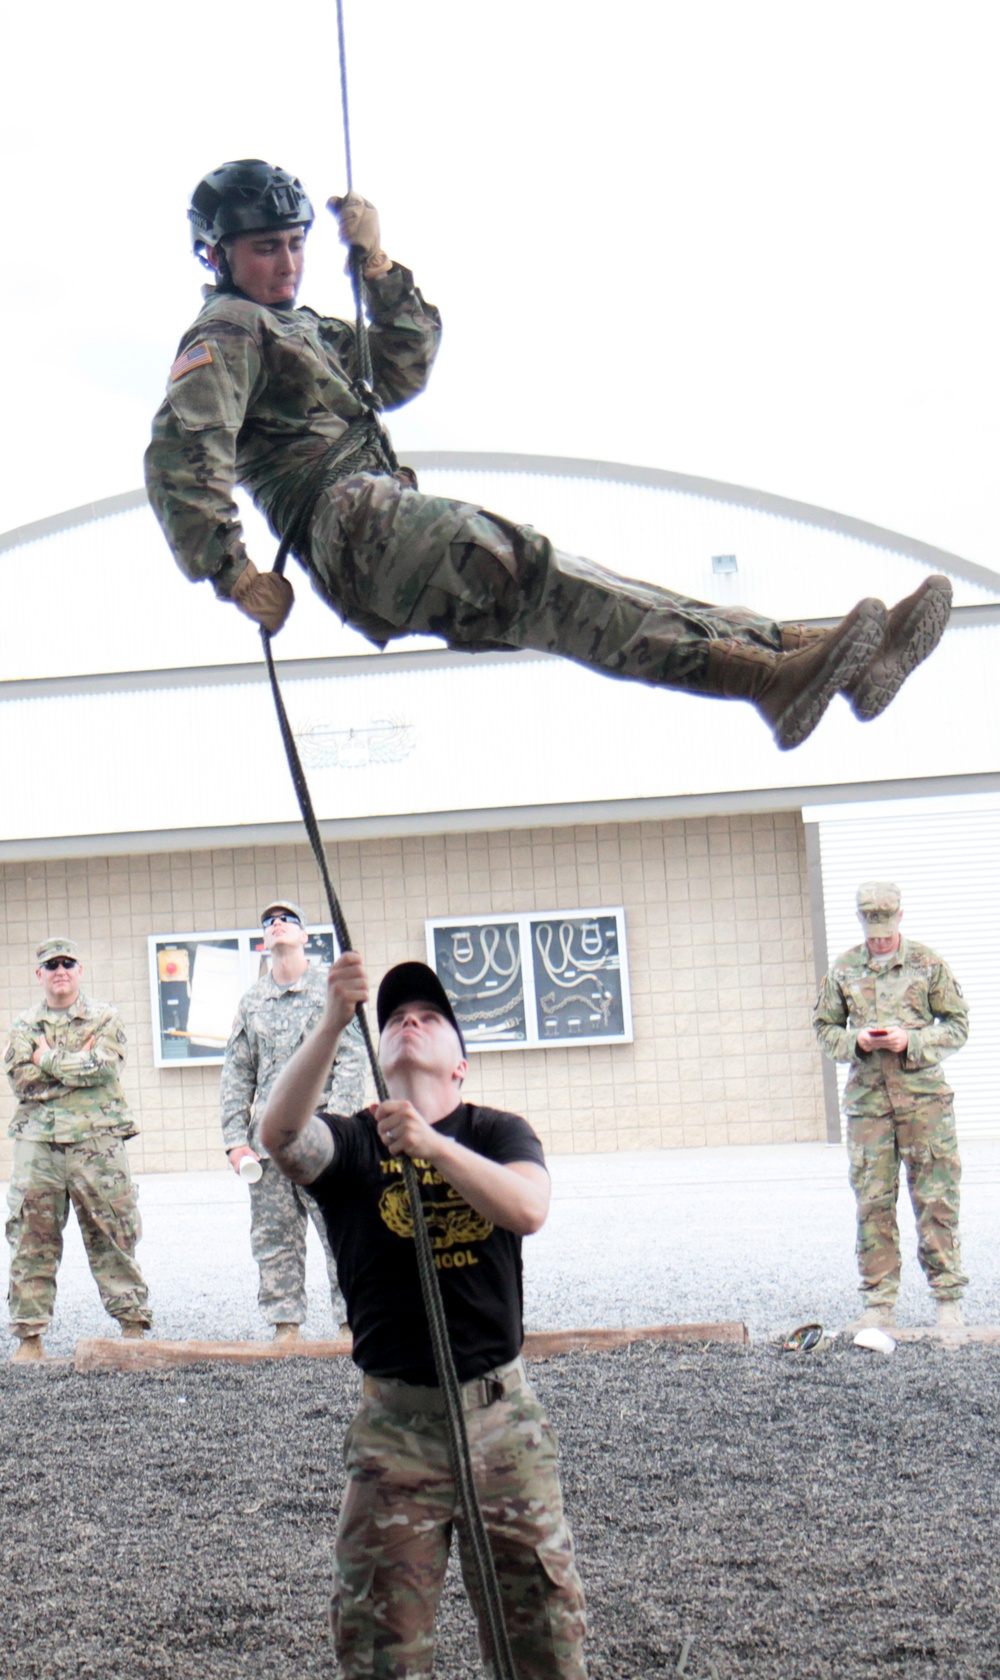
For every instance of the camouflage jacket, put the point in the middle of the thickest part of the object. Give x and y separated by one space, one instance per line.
256 397
73 1092
913 989
270 1024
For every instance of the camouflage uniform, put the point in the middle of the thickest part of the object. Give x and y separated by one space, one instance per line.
396 1520
899 1108
69 1130
401 1506
270 1024
262 397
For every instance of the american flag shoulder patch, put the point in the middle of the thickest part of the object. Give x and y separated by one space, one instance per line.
197 356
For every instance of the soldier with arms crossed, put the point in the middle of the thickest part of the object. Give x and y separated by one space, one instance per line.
484 1186
894 1011
273 1018
69 1129
265 394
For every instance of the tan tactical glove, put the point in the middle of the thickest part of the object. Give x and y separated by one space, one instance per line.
358 224
266 597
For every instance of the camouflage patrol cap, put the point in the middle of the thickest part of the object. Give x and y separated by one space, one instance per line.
57 948
278 904
879 908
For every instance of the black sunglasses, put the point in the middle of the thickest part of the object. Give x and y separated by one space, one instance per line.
59 962
269 921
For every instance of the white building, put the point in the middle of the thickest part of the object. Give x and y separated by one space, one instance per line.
148 794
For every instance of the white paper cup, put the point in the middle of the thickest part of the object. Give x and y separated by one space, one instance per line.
251 1171
875 1339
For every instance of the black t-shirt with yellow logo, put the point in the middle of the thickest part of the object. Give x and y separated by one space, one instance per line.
362 1197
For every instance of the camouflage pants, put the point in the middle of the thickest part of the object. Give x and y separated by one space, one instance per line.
395 1529
925 1142
94 1176
392 562
279 1219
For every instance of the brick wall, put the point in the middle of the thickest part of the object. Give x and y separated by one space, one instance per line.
719 949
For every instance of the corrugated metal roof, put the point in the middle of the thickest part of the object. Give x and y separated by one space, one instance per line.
945 864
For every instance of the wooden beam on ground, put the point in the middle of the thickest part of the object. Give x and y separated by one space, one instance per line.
542 1344
113 1353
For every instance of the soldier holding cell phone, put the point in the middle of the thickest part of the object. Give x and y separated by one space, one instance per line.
894 1010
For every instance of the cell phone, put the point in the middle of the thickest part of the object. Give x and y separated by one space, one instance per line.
878 1032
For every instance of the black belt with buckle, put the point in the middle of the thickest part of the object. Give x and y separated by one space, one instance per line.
412 1397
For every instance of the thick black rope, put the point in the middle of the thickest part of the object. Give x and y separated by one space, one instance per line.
444 1364
344 107
477 1538
357 257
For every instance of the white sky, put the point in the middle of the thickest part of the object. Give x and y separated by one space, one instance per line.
755 242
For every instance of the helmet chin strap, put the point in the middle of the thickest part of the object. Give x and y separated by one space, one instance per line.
219 268
224 272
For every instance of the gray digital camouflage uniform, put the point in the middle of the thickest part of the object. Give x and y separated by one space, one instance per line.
69 1130
270 1024
899 1108
260 396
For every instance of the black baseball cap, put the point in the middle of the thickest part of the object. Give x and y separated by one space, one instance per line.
414 982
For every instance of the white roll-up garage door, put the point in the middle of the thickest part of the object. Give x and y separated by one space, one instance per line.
947 865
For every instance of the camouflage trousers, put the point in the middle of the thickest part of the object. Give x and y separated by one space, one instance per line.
925 1142
93 1176
395 1529
279 1219
392 562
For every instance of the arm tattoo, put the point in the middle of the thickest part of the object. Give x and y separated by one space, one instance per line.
302 1156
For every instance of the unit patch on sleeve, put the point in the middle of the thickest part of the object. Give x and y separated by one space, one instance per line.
197 356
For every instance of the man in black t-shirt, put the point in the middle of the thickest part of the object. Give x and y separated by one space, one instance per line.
484 1186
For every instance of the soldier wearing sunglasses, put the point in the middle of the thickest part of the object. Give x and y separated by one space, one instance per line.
69 1130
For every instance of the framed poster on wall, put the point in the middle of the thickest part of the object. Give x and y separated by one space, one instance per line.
196 981
479 964
540 977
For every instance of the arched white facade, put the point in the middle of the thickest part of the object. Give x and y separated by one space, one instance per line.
148 793
103 614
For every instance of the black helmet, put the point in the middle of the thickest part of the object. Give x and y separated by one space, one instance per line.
245 197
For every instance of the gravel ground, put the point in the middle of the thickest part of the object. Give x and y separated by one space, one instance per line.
831 1515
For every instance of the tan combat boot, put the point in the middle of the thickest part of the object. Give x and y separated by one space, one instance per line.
916 625
287 1333
876 1318
949 1315
28 1350
791 691
133 1332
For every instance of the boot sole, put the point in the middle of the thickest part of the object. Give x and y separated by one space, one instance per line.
921 630
848 657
